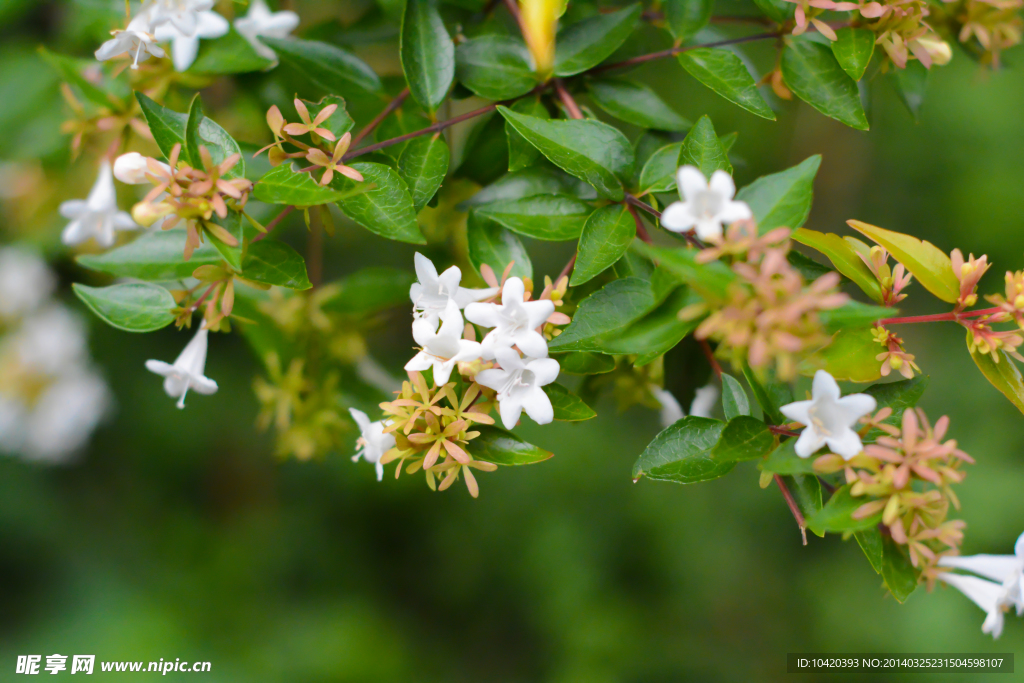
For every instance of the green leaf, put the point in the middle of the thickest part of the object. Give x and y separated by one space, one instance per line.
428 54
423 166
1002 373
530 182
192 141
134 307
339 122
734 399
275 263
924 260
898 395
587 43
544 217
806 490
204 132
710 280
836 515
495 67
910 84
684 18
779 11
387 208
744 438
568 406
853 49
282 185
496 246
770 395
584 362
590 150
659 173
844 257
703 149
167 126
502 447
232 224
155 256
812 72
654 334
68 68
899 575
870 541
607 234
682 453
521 153
850 356
329 67
170 128
608 310
725 73
636 103
854 314
369 291
784 460
784 198
229 54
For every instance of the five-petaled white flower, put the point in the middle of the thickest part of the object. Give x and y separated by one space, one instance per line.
373 442
181 14
518 382
705 206
1008 570
137 40
185 46
131 168
187 371
431 294
260 21
443 348
97 216
515 321
829 418
990 596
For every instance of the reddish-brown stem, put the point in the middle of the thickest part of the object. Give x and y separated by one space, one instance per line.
782 430
641 231
566 270
392 105
939 317
793 507
201 299
672 52
710 355
434 128
690 237
273 223
567 100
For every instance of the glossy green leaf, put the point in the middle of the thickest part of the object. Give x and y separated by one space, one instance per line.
339 122
234 225
684 18
494 245
811 71
853 314
428 54
926 262
369 291
590 150
607 234
654 334
710 280
544 217
275 263
898 395
659 172
170 128
770 394
784 460
725 73
568 406
502 447
682 453
328 66
133 307
779 11
495 67
192 141
636 103
744 438
784 198
899 574
530 182
587 43
167 126
521 153
155 256
584 362
853 49
282 185
850 356
844 257
1002 373
703 149
423 166
870 541
910 83
229 54
734 399
836 516
386 208
608 310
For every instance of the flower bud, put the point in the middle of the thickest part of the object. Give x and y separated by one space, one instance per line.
539 20
938 50
147 213
131 168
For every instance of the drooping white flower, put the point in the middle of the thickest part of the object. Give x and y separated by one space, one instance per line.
704 401
183 15
671 411
518 382
431 294
828 418
442 348
50 341
990 596
65 415
97 216
705 206
185 46
25 281
131 168
1008 570
373 442
260 21
137 41
515 321
187 371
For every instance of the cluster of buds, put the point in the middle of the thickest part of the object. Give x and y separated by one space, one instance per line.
183 193
986 340
320 154
1012 305
968 273
995 24
770 316
215 292
906 475
895 357
891 281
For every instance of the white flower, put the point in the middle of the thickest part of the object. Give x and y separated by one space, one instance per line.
829 418
260 21
25 281
183 15
373 442
50 341
97 216
704 401
515 321
131 168
1008 570
443 348
988 595
518 382
137 40
187 371
705 206
671 412
431 294
185 46
65 415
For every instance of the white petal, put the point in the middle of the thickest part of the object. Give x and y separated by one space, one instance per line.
426 273
468 350
379 466
538 311
809 442
997 567
73 208
74 233
704 401
677 217
1018 549
112 48
203 385
856 406
691 182
532 343
735 211
423 331
159 367
509 359
722 183
709 228
361 419
513 291
464 296
443 371
211 25
449 280
538 406
485 315
846 443
984 594
798 411
419 362
451 322
824 386
183 51
492 378
545 370
511 409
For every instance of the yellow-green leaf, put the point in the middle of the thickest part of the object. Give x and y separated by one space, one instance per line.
930 265
850 356
1004 375
844 257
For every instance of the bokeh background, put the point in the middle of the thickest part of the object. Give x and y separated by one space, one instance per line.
179 534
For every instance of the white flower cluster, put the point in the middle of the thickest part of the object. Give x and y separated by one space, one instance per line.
184 23
995 597
51 399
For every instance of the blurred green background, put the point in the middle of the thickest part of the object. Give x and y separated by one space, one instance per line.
178 534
